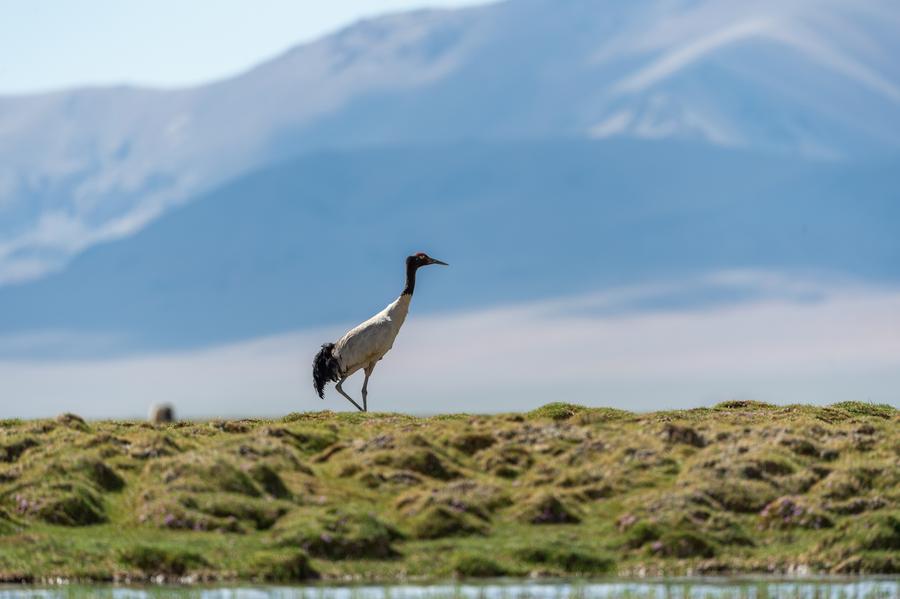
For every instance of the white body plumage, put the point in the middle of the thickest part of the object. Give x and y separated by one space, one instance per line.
367 343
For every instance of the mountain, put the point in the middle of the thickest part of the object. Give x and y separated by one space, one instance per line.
320 240
790 78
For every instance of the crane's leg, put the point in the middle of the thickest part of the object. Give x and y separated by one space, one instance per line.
341 391
365 389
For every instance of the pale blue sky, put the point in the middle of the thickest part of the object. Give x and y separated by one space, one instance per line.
52 44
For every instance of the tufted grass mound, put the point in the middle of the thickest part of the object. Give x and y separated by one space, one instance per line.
280 567
161 561
478 566
338 534
561 490
566 559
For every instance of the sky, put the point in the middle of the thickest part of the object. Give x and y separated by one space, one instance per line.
48 45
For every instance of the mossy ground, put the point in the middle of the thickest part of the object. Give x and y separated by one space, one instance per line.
741 487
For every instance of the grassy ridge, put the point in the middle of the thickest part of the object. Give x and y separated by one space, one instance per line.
742 487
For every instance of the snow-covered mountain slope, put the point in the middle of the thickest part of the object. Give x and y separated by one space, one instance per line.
816 78
320 240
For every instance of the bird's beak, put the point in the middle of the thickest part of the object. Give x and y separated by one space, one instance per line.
433 261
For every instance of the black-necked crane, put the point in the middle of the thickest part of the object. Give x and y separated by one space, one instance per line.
364 345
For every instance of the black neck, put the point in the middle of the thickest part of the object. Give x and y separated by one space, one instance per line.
410 278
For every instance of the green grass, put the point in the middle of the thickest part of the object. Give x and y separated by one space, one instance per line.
160 560
741 487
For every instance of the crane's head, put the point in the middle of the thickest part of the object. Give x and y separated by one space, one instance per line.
422 259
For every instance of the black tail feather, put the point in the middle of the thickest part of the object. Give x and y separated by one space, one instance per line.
325 369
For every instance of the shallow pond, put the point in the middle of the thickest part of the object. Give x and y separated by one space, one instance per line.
881 588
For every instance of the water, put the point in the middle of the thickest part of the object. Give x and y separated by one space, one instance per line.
674 589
